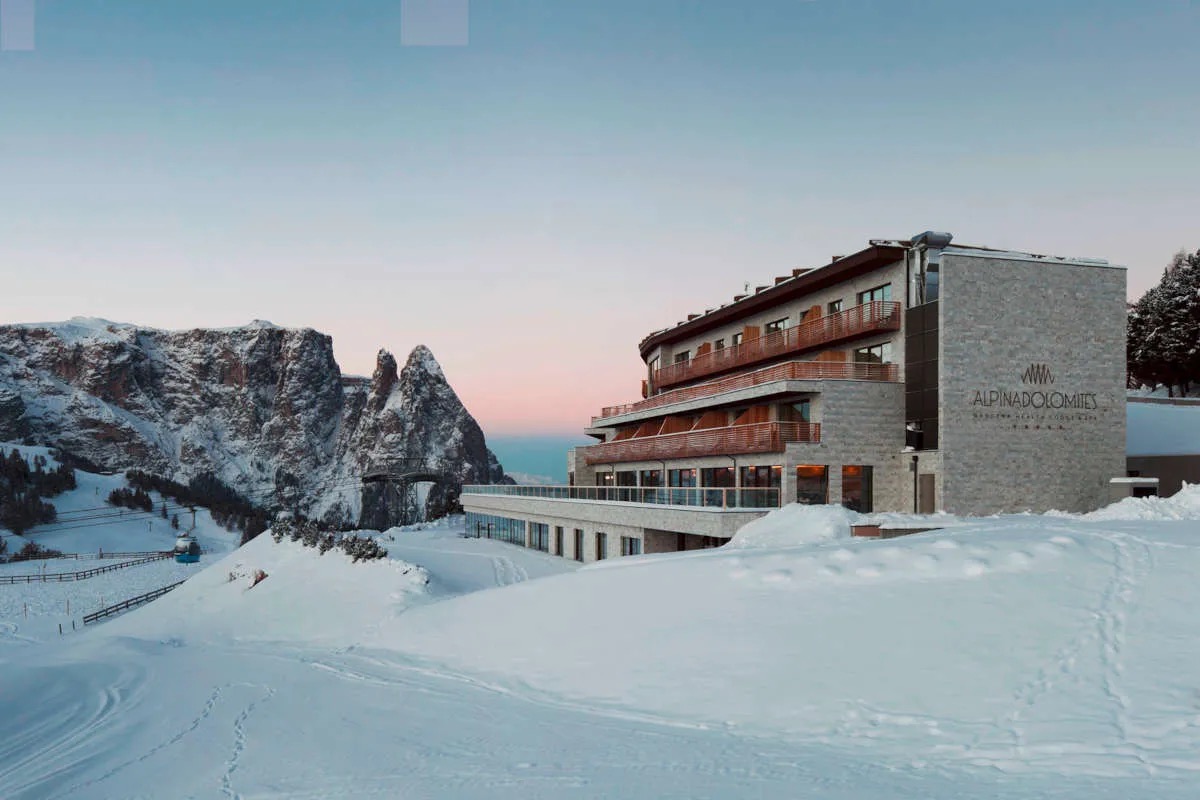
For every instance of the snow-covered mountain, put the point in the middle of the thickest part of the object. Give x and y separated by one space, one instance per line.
263 408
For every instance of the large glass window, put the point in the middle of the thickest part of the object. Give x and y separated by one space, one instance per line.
857 490
812 484
760 486
539 536
681 481
875 354
878 293
626 486
719 483
631 546
486 526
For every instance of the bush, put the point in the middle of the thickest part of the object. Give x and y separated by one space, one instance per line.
359 548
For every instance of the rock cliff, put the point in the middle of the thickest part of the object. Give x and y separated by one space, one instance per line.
265 409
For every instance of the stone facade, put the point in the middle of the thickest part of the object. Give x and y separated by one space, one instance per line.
1046 335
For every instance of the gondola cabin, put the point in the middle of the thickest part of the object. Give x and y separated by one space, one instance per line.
187 550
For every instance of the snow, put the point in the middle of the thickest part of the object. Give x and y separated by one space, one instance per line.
1162 429
31 612
1183 505
796 525
1023 656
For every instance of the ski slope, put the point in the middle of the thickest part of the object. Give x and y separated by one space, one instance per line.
1012 657
87 525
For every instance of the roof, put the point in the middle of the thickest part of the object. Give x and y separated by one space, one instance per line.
1162 429
802 282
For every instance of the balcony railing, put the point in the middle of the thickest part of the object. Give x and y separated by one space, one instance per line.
759 437
703 497
879 315
793 370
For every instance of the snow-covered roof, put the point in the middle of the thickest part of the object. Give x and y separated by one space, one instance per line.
1162 429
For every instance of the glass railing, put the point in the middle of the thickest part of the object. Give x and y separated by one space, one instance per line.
696 497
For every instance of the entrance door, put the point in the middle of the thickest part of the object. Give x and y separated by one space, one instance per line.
925 494
558 541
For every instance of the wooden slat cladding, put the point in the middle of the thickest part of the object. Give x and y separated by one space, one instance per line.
763 437
879 315
830 365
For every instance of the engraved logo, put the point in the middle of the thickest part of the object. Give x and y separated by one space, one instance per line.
1038 375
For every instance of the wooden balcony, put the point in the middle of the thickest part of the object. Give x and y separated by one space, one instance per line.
880 315
791 371
761 437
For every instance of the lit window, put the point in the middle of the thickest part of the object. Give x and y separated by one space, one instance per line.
857 489
812 485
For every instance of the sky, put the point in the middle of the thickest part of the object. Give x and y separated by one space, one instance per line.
531 204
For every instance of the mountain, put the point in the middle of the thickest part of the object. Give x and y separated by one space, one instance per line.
264 409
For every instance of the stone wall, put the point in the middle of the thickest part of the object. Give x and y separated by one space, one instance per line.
1048 336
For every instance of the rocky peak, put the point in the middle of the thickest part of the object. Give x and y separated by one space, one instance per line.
263 408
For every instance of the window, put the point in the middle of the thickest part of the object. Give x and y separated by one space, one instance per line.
539 536
812 485
760 487
835 306
631 546
626 486
777 325
579 544
876 354
558 541
682 357
719 483
857 488
802 411
651 477
681 477
485 526
601 546
719 344
736 339
878 293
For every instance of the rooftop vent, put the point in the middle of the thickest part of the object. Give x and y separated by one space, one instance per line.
932 240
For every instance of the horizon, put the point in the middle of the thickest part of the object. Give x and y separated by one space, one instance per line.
532 203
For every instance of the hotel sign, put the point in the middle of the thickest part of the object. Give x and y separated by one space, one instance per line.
1036 402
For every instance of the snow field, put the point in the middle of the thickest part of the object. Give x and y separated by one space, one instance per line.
1010 657
32 612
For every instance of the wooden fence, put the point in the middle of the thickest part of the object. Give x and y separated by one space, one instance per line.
82 575
124 605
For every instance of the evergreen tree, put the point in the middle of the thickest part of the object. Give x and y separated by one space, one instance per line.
1163 333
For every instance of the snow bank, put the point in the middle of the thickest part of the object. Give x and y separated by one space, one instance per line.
795 525
1183 505
306 596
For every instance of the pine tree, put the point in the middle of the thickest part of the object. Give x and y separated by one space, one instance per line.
1163 333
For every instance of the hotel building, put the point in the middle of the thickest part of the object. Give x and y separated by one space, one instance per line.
911 376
